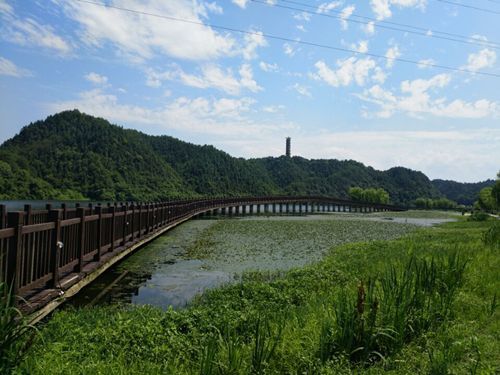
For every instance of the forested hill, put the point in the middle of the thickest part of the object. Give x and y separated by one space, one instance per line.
72 155
462 193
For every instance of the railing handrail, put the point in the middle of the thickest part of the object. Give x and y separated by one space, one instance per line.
39 248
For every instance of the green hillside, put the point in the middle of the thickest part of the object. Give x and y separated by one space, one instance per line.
462 193
72 155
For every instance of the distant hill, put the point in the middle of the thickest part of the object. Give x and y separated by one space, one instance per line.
72 155
462 193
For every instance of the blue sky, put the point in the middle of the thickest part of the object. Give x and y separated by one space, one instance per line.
245 92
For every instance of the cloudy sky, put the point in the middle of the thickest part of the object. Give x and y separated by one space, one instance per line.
345 79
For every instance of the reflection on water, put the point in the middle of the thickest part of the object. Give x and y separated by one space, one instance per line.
156 274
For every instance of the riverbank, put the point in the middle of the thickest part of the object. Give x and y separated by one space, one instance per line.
278 322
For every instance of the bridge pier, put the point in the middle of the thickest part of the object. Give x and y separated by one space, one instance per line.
243 210
274 208
236 210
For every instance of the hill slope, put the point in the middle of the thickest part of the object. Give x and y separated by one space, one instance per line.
462 193
73 155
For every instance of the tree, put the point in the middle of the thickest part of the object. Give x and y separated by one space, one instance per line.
486 201
495 192
370 195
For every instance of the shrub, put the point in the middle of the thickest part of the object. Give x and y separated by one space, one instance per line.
478 216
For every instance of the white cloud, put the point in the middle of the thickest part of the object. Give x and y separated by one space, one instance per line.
379 76
30 33
361 47
425 63
369 28
267 67
416 101
8 68
301 28
350 70
302 16
247 80
450 154
214 8
253 41
302 90
241 3
273 108
212 76
6 8
382 8
221 118
140 37
326 7
289 49
345 14
485 58
96 78
392 54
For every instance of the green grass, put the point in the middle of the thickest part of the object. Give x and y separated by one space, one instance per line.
436 313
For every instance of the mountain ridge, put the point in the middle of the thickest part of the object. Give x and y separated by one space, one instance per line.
72 155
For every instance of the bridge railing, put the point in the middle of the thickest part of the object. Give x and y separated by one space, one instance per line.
41 249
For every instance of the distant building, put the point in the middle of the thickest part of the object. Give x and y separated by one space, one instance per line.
288 146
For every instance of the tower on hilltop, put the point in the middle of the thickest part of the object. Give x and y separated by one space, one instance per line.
288 146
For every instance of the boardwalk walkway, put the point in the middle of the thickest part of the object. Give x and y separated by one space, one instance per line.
49 255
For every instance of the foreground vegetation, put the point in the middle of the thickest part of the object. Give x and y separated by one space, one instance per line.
426 303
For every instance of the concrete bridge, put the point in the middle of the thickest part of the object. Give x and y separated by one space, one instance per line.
48 255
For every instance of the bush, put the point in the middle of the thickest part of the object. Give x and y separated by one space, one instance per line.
478 216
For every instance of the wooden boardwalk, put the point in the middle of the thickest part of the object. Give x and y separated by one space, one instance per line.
48 255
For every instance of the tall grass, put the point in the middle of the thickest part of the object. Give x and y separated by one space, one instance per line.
392 310
16 335
492 235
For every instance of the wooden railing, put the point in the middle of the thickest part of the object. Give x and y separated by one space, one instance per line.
38 248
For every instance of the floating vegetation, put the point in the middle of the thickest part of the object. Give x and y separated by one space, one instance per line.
237 246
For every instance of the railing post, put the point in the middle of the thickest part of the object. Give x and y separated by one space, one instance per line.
28 212
140 221
16 220
112 211
3 216
98 211
64 211
125 224
147 217
55 216
81 243
132 222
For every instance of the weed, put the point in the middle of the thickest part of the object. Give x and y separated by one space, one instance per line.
16 336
